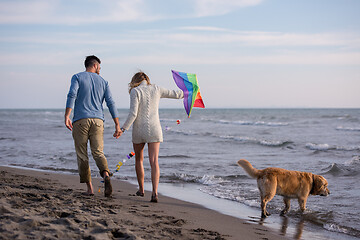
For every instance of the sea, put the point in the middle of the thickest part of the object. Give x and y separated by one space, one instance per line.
199 154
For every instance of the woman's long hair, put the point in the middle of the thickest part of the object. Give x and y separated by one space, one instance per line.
137 79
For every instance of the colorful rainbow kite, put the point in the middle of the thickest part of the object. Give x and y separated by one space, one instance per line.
188 83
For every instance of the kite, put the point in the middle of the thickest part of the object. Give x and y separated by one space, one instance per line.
188 83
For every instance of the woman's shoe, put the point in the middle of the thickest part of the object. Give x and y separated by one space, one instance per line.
154 198
138 193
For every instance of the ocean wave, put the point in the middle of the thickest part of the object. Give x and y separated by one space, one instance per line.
235 177
232 195
320 147
275 143
263 142
188 178
6 138
242 139
341 128
326 147
181 177
347 169
337 170
335 228
174 156
341 229
337 116
186 133
254 123
354 161
210 180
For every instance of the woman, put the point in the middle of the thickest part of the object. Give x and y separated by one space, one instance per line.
144 114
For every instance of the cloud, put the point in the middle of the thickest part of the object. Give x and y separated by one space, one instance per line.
210 35
291 58
195 45
205 8
75 13
111 11
26 11
204 28
230 59
206 36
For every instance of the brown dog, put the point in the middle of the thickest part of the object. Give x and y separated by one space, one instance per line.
286 183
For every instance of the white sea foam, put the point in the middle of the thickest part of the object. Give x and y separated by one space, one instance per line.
229 194
326 147
264 142
353 161
272 143
335 228
184 177
204 180
252 203
354 129
254 123
210 180
320 147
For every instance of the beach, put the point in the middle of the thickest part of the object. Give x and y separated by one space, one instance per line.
45 205
198 164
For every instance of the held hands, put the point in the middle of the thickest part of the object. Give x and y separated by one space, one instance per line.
117 132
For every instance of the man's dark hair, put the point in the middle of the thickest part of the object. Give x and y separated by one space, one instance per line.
91 60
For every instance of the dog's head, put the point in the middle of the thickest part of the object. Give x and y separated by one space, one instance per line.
320 186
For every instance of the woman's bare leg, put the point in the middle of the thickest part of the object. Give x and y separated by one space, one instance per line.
139 167
153 149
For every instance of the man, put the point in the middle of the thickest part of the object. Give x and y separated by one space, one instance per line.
86 96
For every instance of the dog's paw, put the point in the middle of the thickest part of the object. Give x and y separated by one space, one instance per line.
265 214
283 212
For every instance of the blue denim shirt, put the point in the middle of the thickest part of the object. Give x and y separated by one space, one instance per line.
87 93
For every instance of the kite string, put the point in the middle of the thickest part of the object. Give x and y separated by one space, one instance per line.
167 128
130 155
119 164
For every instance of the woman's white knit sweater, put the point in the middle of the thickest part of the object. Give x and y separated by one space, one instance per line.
144 112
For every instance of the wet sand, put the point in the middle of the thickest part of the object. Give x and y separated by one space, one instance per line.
43 205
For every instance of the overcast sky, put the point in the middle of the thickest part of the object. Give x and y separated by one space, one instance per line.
246 53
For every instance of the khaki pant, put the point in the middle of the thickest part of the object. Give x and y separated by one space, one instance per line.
89 129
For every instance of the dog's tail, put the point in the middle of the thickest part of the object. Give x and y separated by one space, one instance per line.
253 172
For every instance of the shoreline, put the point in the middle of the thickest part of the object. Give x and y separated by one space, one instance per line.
45 204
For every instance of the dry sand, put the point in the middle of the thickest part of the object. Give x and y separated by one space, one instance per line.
42 205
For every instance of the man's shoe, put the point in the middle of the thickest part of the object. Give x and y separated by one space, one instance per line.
108 187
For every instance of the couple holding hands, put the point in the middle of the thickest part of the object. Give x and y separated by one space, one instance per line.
88 90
